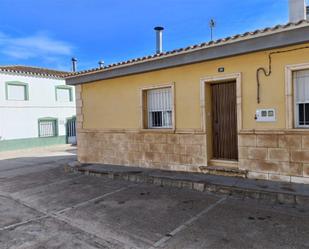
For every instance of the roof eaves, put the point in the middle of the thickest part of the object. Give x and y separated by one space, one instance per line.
220 42
4 70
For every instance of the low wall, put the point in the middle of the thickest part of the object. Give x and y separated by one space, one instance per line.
182 152
283 156
274 155
280 157
26 143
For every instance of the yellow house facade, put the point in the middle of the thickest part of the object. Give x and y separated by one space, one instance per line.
238 104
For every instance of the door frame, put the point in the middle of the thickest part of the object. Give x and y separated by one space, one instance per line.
217 79
66 129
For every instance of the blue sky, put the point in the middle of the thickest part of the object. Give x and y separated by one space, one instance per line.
48 33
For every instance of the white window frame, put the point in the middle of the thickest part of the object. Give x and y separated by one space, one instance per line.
296 103
157 106
291 111
64 87
145 115
25 86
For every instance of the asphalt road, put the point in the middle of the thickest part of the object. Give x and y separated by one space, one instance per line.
41 207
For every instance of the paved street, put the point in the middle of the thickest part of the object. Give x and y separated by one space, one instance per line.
43 207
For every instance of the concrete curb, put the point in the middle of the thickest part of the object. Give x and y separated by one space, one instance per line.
240 190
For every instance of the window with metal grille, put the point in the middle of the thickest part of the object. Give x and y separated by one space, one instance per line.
47 128
159 108
301 92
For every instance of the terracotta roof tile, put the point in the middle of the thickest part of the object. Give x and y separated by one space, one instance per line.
235 38
33 71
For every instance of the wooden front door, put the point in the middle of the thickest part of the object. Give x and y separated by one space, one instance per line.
224 118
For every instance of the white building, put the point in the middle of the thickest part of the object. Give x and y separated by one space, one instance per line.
35 107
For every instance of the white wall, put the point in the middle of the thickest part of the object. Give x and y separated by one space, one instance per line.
19 119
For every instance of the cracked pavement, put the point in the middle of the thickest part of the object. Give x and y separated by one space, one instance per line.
41 206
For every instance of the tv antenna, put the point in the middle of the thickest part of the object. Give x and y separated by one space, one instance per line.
212 25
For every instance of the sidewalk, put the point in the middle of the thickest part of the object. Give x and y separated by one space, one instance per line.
53 150
270 191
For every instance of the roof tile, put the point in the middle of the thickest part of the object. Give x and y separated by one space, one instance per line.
194 47
33 71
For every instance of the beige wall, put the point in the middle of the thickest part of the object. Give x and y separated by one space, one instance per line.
109 119
115 103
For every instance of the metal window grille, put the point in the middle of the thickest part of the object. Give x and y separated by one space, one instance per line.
159 105
301 91
47 128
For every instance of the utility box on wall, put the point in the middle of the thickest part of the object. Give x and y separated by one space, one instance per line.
265 115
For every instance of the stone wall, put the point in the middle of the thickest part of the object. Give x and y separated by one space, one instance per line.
283 156
183 152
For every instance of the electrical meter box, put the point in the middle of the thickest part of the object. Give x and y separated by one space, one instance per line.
265 115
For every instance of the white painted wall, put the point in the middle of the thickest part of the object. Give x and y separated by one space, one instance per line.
19 119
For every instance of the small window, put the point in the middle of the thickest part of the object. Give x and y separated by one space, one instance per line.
63 94
16 91
159 108
47 127
301 89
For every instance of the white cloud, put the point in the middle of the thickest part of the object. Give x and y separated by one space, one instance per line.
39 45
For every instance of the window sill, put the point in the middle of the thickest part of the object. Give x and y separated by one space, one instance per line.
282 131
300 129
48 137
19 100
158 130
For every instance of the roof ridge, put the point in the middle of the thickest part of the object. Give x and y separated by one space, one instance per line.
36 67
33 70
190 47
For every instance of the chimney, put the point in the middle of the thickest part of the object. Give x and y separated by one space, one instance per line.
159 31
297 10
101 64
74 64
